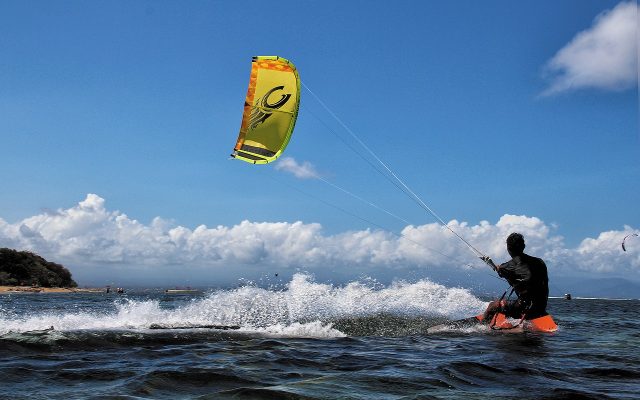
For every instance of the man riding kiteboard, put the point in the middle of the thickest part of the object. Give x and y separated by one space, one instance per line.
528 277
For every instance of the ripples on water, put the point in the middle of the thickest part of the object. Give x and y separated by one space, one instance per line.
310 341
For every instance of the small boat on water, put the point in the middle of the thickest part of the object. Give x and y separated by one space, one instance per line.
181 291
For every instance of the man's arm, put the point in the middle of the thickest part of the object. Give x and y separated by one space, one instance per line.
518 274
504 271
489 262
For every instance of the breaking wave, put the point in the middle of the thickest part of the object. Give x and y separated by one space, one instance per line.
304 308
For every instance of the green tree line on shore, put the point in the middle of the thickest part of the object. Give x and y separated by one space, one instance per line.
24 268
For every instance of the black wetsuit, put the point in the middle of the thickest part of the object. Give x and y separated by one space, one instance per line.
528 276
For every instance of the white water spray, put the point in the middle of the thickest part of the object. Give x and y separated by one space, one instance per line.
305 308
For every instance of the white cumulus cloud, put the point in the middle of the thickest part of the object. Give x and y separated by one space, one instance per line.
306 170
88 234
605 56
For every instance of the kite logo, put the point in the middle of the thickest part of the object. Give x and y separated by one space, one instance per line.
263 109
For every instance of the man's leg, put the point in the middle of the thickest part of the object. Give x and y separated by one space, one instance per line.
493 308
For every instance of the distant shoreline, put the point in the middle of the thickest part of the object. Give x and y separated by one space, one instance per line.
592 298
29 289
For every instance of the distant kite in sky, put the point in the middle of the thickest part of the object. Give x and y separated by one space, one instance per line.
625 239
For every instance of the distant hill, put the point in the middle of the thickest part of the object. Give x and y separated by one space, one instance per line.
23 268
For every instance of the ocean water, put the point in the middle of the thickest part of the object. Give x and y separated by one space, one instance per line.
308 340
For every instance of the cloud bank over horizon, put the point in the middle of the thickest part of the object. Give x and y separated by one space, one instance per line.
605 56
88 234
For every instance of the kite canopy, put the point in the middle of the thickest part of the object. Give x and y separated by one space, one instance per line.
270 110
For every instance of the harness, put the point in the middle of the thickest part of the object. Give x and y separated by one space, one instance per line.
501 308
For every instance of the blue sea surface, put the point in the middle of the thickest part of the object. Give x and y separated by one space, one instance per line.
308 341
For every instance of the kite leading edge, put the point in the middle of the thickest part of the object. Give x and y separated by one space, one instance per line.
270 110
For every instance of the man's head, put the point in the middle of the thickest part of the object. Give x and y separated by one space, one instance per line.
515 244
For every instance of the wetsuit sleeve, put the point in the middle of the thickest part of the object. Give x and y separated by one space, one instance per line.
506 270
516 274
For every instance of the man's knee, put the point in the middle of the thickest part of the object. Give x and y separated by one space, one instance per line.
493 308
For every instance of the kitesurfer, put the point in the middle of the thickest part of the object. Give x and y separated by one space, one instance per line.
528 277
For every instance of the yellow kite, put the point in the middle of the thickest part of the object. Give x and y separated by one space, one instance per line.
270 110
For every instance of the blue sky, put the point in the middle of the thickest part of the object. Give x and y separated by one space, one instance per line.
484 109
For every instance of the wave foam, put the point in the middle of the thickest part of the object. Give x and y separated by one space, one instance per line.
304 309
